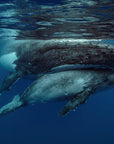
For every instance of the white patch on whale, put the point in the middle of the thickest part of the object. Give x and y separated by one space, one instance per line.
7 61
56 86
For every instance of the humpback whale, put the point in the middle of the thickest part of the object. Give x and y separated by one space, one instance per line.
65 69
74 85
33 57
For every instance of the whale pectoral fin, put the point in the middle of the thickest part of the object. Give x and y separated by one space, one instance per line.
11 106
76 100
9 81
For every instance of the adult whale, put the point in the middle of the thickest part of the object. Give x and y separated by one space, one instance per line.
26 57
75 85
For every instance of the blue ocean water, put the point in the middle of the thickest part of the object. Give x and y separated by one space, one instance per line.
91 123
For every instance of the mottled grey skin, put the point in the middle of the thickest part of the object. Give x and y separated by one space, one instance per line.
75 85
43 56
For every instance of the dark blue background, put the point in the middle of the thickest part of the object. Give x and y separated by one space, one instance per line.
91 123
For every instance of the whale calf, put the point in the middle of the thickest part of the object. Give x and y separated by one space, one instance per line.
33 57
75 86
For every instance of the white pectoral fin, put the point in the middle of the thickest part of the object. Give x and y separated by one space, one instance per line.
14 104
7 61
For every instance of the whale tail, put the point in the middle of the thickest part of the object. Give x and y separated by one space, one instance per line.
13 105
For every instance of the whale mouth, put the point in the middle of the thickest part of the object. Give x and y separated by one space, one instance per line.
7 61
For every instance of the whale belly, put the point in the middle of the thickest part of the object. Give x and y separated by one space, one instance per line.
57 86
7 61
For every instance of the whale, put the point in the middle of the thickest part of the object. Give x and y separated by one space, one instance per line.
39 57
74 86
